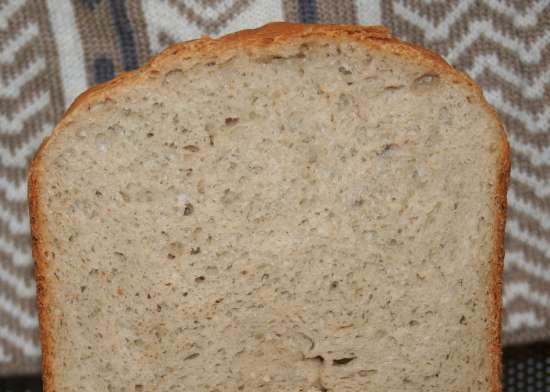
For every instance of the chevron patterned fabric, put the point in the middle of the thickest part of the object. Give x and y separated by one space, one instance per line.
51 50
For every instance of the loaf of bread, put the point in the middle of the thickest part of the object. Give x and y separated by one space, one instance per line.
295 208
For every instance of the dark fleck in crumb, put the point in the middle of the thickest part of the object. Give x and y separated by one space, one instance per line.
188 209
231 120
358 202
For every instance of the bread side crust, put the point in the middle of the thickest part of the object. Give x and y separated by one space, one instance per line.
264 40
497 264
43 289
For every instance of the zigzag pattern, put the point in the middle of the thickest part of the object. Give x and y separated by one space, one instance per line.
507 50
521 261
22 289
25 117
178 20
19 341
529 88
202 18
521 320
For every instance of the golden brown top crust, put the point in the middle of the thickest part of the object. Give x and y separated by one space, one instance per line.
257 40
278 29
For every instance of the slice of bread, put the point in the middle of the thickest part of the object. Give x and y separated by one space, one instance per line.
293 208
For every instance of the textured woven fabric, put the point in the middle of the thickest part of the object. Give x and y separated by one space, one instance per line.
52 50
527 368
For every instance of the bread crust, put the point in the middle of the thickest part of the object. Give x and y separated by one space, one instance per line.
259 40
